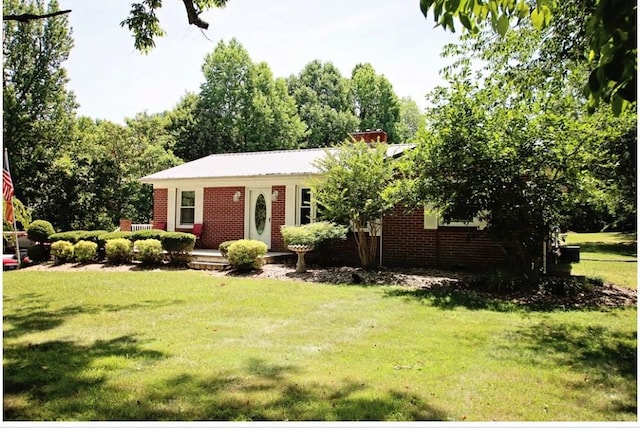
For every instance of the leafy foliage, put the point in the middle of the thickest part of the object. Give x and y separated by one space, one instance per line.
325 103
224 247
40 230
313 233
246 254
38 110
85 251
149 252
376 104
178 246
610 30
119 251
62 251
355 187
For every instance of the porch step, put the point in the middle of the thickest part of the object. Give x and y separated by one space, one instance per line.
201 265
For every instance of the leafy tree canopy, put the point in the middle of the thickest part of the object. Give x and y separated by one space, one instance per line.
609 28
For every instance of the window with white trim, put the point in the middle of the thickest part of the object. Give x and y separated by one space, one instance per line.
305 207
187 207
433 220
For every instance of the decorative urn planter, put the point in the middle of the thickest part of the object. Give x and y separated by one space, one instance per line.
300 250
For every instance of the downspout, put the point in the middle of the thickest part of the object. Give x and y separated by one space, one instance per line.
380 241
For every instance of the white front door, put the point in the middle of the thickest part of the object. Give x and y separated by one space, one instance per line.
260 215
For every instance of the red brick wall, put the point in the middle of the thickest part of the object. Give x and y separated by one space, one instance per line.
277 218
407 243
160 200
223 218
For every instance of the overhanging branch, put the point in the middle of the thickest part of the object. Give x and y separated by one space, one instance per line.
26 17
194 15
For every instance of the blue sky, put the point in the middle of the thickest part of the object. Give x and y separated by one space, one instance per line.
112 80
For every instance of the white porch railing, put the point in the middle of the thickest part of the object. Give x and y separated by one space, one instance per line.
136 227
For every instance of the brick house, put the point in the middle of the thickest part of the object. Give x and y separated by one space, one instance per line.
250 195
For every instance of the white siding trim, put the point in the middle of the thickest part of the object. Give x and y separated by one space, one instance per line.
171 208
290 205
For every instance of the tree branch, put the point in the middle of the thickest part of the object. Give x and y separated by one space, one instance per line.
26 17
194 15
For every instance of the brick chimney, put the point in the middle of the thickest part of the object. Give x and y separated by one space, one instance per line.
370 136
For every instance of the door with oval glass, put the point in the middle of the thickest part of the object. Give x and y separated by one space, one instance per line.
260 215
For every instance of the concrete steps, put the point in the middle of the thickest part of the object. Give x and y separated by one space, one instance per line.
213 260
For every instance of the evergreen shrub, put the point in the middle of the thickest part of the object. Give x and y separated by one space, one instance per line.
149 252
62 251
246 254
85 251
118 251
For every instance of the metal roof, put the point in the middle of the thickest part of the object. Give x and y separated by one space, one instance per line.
252 164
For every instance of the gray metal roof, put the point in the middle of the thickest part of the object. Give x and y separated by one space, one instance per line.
252 164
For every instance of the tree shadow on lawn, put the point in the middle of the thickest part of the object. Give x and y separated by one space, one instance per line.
50 374
624 249
603 355
32 315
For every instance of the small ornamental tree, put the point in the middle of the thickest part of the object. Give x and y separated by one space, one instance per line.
354 187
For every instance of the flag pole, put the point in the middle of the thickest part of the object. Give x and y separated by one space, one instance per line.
13 213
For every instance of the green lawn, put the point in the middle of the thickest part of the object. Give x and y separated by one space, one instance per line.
185 345
611 256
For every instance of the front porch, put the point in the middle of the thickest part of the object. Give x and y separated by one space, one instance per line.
204 259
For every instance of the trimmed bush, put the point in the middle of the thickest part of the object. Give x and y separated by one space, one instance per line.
149 252
39 231
92 235
178 246
72 236
118 251
246 254
85 251
62 251
147 234
114 235
224 247
38 253
313 233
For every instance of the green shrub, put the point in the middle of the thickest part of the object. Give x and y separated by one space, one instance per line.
72 236
85 251
246 254
91 235
113 235
224 247
313 233
39 231
62 251
149 251
38 253
118 251
147 234
178 246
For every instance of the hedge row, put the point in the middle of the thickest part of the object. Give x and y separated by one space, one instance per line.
178 245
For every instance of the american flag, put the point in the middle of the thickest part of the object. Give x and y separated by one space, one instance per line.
7 189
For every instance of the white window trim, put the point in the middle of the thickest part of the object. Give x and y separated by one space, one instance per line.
197 208
298 204
433 220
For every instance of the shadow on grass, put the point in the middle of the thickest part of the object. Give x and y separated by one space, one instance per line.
258 391
32 315
624 249
55 372
448 298
608 358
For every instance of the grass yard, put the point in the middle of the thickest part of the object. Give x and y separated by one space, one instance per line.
611 256
185 345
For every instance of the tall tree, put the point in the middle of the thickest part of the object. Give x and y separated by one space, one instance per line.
515 152
411 120
324 101
355 187
38 110
375 103
241 107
